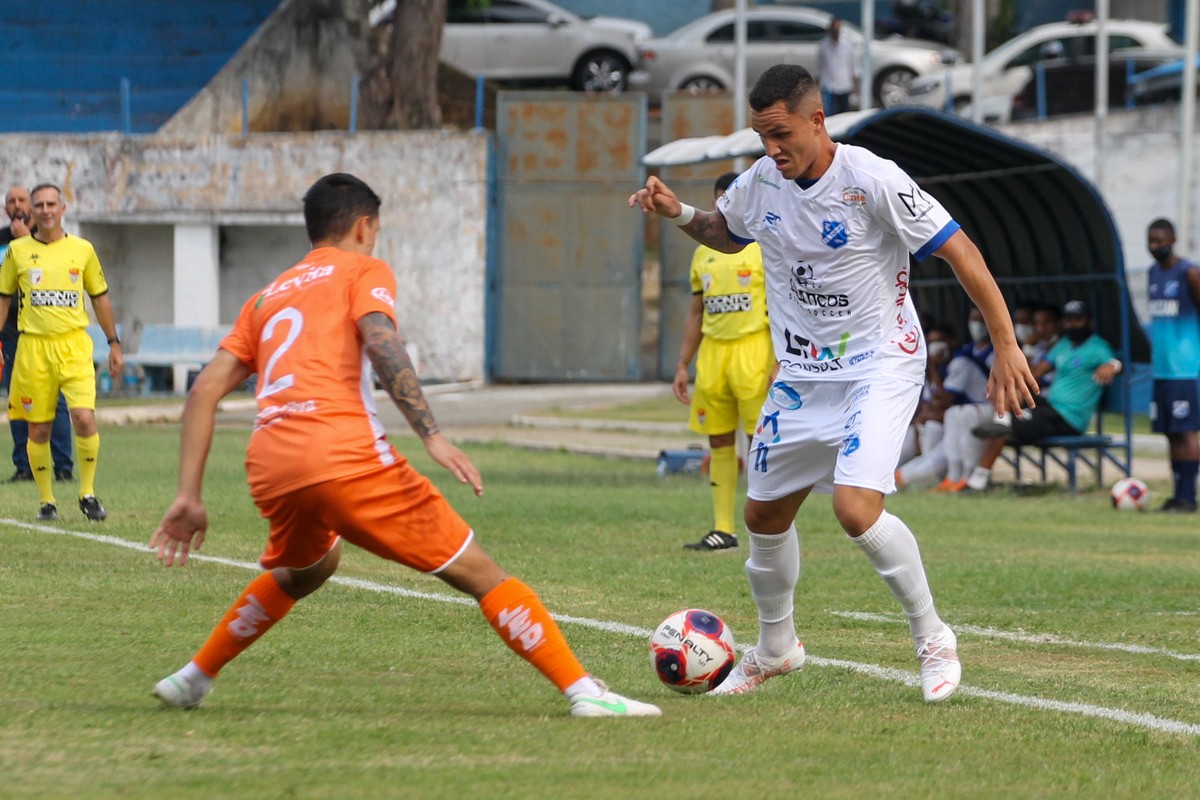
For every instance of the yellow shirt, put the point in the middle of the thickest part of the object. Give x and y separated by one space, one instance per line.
50 280
734 290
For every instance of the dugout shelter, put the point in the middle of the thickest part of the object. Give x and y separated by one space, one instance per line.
1044 230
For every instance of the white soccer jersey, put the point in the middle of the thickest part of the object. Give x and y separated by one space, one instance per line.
837 257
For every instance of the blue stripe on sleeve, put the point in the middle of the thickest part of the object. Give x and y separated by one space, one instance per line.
739 239
938 240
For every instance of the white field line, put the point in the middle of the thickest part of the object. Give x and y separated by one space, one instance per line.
1030 638
1148 721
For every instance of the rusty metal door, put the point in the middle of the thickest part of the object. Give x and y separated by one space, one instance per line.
684 116
565 285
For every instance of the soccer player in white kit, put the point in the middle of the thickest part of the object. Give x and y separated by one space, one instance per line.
836 224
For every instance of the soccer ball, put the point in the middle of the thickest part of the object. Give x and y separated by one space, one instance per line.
1130 494
692 651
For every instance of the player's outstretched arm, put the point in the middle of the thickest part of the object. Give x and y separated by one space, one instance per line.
1011 385
395 369
706 227
183 526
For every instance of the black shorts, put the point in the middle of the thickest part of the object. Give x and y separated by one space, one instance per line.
1174 407
1042 421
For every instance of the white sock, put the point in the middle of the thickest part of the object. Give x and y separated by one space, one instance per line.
584 687
980 478
892 550
194 675
773 569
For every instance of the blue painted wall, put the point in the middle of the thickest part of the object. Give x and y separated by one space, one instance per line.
63 71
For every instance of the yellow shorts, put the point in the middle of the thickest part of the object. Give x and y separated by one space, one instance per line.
46 365
731 383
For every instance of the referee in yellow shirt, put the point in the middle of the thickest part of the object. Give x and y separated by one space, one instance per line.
727 324
49 272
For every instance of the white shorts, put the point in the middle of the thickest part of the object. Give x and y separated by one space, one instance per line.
821 433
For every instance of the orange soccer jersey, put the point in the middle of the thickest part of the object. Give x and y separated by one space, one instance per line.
316 415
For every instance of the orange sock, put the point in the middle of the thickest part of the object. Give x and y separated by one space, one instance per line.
515 611
260 606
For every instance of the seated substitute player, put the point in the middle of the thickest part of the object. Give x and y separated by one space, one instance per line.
837 225
52 271
726 324
1083 364
320 469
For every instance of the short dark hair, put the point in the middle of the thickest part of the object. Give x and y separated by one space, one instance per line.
333 203
786 82
725 181
41 186
1052 310
1162 224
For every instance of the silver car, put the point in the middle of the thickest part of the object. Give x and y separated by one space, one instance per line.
1010 67
533 40
700 56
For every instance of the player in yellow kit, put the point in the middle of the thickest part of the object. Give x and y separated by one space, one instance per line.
727 324
49 272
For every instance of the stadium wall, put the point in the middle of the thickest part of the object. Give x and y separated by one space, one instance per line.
140 198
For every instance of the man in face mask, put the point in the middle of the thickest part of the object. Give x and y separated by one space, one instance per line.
1175 360
1083 364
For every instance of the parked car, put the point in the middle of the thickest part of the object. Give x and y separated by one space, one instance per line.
700 56
1161 83
536 41
1068 86
1009 69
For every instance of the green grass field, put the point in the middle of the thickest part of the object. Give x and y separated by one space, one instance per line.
1078 628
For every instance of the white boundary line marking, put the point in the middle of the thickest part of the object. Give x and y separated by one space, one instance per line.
1149 721
1031 638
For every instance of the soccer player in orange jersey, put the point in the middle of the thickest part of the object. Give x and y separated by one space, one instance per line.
320 469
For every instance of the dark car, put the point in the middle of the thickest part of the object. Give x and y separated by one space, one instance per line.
1068 86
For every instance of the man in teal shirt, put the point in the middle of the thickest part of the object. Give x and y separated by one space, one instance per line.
1083 364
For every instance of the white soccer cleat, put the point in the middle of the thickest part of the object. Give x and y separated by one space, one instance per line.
177 691
754 669
940 668
611 704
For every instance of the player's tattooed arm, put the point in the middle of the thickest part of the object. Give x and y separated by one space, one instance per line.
395 369
709 228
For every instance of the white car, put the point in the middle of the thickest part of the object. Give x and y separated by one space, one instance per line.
700 56
533 40
1008 69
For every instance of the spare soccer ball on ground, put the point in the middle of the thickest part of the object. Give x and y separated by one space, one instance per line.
692 651
1130 494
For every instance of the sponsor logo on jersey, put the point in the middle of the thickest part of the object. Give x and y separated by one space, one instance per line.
822 305
727 303
383 295
1164 308
863 356
54 298
804 276
902 285
74 275
772 184
743 277
797 345
834 233
854 196
915 201
910 342
771 218
305 274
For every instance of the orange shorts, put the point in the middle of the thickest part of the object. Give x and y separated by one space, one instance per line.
395 513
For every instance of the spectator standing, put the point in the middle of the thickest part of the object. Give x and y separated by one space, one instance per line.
838 68
726 330
320 468
1084 363
851 355
1175 360
20 215
52 271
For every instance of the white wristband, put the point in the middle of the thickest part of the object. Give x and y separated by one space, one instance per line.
1115 364
685 215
